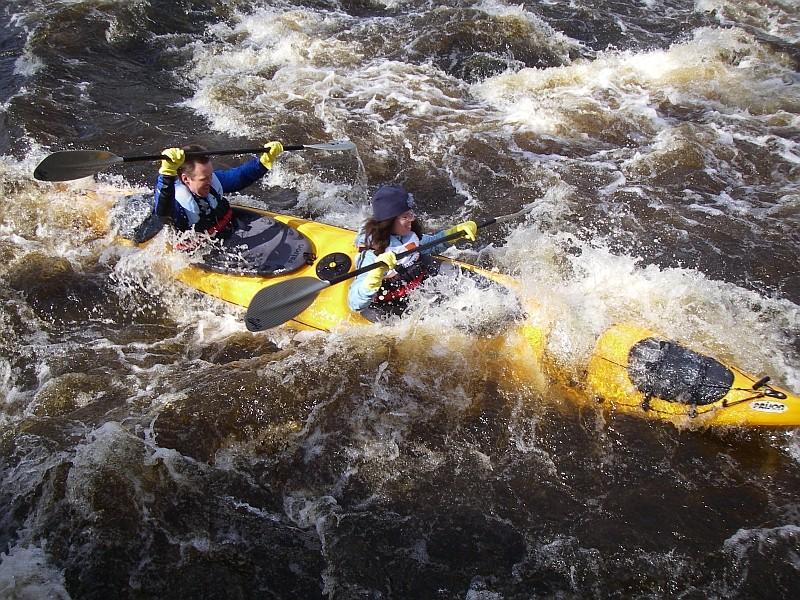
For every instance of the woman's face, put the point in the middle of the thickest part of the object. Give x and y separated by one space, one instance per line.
402 223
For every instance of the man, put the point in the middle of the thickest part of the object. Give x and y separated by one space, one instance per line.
189 192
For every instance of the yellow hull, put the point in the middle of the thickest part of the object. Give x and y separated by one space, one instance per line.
607 382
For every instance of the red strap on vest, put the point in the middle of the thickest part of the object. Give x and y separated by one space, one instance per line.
221 224
404 290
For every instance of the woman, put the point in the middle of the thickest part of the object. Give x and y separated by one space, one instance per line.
391 230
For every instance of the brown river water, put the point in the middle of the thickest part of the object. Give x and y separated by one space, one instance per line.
152 447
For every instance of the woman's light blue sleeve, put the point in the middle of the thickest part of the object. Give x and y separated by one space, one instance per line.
432 238
359 297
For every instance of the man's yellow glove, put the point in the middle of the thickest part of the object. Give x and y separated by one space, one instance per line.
274 150
174 159
171 164
468 228
374 278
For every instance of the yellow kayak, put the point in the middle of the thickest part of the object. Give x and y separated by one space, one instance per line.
631 369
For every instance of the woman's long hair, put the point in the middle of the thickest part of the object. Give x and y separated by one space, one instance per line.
376 233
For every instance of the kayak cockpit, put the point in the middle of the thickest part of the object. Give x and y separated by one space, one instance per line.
259 245
255 244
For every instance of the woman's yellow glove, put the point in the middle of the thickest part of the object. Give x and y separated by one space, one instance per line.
274 150
374 278
468 228
173 161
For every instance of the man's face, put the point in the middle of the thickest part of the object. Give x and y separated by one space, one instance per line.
199 181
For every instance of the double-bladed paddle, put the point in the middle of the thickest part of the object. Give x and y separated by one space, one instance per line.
74 164
276 304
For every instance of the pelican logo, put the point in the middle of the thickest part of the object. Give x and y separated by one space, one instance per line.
767 406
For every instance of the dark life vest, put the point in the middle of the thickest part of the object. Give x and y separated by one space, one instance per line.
213 219
393 296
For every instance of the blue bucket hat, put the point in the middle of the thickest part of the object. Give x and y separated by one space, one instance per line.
390 201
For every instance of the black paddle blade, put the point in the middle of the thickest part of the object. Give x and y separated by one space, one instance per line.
278 303
74 164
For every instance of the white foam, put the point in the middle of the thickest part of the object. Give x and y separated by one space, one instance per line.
716 67
26 573
745 540
279 56
583 288
27 64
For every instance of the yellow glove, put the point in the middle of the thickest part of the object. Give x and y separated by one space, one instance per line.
468 228
170 165
274 150
374 278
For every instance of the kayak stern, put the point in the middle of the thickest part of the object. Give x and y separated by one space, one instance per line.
636 371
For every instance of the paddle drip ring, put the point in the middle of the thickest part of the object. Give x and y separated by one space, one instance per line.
333 265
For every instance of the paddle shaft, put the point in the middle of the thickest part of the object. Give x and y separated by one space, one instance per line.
75 164
260 150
